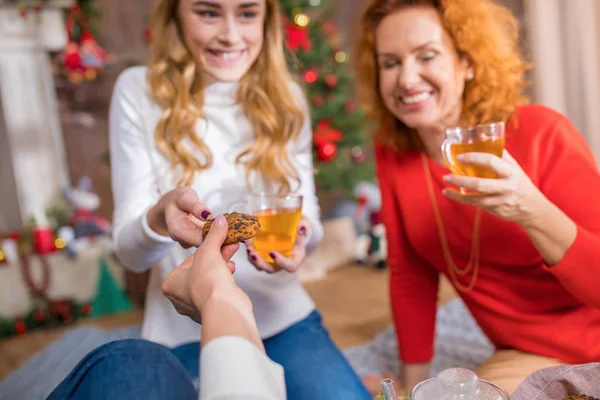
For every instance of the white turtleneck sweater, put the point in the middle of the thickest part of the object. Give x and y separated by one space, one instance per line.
140 175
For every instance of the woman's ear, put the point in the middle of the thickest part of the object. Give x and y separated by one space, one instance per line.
469 66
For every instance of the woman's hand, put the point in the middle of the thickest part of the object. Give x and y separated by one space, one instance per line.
204 275
290 264
181 215
512 197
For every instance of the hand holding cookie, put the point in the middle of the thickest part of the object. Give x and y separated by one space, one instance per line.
180 215
290 264
206 273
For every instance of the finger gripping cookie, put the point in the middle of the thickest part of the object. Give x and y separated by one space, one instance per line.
240 227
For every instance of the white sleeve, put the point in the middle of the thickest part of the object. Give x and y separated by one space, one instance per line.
303 158
232 368
134 185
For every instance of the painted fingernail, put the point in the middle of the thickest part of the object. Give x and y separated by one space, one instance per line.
253 258
220 221
273 256
303 230
204 214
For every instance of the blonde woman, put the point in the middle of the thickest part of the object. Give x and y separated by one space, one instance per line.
215 115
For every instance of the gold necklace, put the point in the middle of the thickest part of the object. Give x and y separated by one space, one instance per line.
454 270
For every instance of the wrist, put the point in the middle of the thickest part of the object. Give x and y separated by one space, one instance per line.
540 211
223 296
229 313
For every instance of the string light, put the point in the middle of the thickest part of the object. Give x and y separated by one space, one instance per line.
60 243
302 20
341 57
1 256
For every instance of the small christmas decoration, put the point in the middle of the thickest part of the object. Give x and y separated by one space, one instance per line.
20 327
23 7
324 132
331 80
349 106
93 57
39 316
358 155
148 36
82 59
319 101
297 37
86 309
310 76
372 244
326 151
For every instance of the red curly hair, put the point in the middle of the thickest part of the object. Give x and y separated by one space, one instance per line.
482 30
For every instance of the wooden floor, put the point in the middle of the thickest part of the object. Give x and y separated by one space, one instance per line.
353 301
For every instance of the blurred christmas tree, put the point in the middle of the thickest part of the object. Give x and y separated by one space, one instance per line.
342 152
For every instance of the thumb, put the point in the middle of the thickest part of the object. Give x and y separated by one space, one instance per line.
507 157
216 235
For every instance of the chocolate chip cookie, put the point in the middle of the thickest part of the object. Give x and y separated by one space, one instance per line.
241 227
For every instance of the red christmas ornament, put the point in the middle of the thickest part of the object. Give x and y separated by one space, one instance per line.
326 151
73 62
22 10
39 316
319 101
325 133
15 235
20 327
86 309
37 7
350 106
297 38
331 80
329 28
310 76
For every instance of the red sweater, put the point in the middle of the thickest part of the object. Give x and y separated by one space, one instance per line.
518 301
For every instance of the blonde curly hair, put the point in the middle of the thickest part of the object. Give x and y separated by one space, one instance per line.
265 93
482 30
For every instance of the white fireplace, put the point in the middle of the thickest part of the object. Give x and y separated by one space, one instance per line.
33 168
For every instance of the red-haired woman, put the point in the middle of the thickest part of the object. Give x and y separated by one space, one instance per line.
531 240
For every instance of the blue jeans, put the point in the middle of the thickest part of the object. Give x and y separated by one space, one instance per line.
314 368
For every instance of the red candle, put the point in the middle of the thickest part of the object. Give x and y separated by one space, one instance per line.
43 240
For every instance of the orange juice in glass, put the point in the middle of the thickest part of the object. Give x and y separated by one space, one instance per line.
279 217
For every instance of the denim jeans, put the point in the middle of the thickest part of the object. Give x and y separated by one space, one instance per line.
314 368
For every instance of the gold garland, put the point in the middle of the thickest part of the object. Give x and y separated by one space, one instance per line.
454 270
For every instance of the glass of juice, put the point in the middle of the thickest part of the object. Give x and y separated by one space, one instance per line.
487 138
279 217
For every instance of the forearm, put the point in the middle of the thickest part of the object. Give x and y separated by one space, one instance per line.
228 313
551 231
414 374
